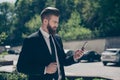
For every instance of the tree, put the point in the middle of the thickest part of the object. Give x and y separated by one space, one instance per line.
33 24
6 19
25 10
6 16
66 7
80 19
109 18
72 30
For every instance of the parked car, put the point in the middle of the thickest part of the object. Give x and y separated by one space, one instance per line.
110 55
91 56
14 51
69 52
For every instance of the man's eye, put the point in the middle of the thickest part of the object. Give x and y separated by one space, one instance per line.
55 22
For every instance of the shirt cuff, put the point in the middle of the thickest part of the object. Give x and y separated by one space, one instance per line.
45 71
75 60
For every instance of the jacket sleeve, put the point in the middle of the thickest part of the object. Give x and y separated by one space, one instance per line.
26 62
66 60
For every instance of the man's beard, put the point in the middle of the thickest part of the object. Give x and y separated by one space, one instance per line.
51 31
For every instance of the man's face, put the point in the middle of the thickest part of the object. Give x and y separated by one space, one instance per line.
53 24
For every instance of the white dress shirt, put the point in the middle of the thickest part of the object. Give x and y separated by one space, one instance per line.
46 37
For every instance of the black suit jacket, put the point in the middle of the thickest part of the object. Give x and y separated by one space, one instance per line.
35 55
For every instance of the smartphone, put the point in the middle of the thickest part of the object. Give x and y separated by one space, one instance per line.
83 47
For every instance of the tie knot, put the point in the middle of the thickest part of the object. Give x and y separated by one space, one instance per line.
50 37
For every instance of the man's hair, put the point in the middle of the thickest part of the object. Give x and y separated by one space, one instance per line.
47 12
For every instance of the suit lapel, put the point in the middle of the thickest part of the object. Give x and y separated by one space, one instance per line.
44 44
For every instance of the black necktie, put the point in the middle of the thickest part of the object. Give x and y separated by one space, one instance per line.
58 75
52 48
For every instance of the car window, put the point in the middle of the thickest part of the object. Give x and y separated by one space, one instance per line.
113 51
119 52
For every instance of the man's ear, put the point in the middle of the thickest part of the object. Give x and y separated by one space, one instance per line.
45 21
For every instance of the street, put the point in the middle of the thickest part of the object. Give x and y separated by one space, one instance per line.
94 69
84 69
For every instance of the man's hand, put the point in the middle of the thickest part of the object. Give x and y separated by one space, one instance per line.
78 54
51 68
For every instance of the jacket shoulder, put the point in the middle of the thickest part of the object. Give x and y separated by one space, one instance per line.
57 36
33 35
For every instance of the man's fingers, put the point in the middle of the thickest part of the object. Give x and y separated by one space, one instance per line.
54 63
78 54
51 68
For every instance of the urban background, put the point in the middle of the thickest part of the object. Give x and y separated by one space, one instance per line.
79 20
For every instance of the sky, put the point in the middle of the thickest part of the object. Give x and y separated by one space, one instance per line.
12 1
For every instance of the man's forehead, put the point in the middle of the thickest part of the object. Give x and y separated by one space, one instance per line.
54 16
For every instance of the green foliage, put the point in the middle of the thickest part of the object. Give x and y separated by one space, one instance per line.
98 79
6 16
109 18
66 78
66 7
33 24
50 3
25 11
80 19
12 76
79 79
3 37
76 34
72 30
19 76
87 9
3 53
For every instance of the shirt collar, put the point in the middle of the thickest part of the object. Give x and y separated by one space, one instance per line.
45 34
